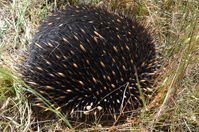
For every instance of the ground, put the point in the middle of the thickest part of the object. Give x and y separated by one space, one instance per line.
176 104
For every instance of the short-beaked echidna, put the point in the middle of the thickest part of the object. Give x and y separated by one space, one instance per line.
85 58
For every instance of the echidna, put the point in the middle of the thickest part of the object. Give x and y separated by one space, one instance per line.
85 58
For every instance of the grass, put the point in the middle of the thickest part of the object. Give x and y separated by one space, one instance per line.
176 105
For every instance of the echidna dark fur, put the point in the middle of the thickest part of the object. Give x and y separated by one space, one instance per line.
86 59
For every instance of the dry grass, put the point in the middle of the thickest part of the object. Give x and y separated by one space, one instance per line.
176 105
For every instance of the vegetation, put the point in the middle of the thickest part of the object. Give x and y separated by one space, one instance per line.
176 104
